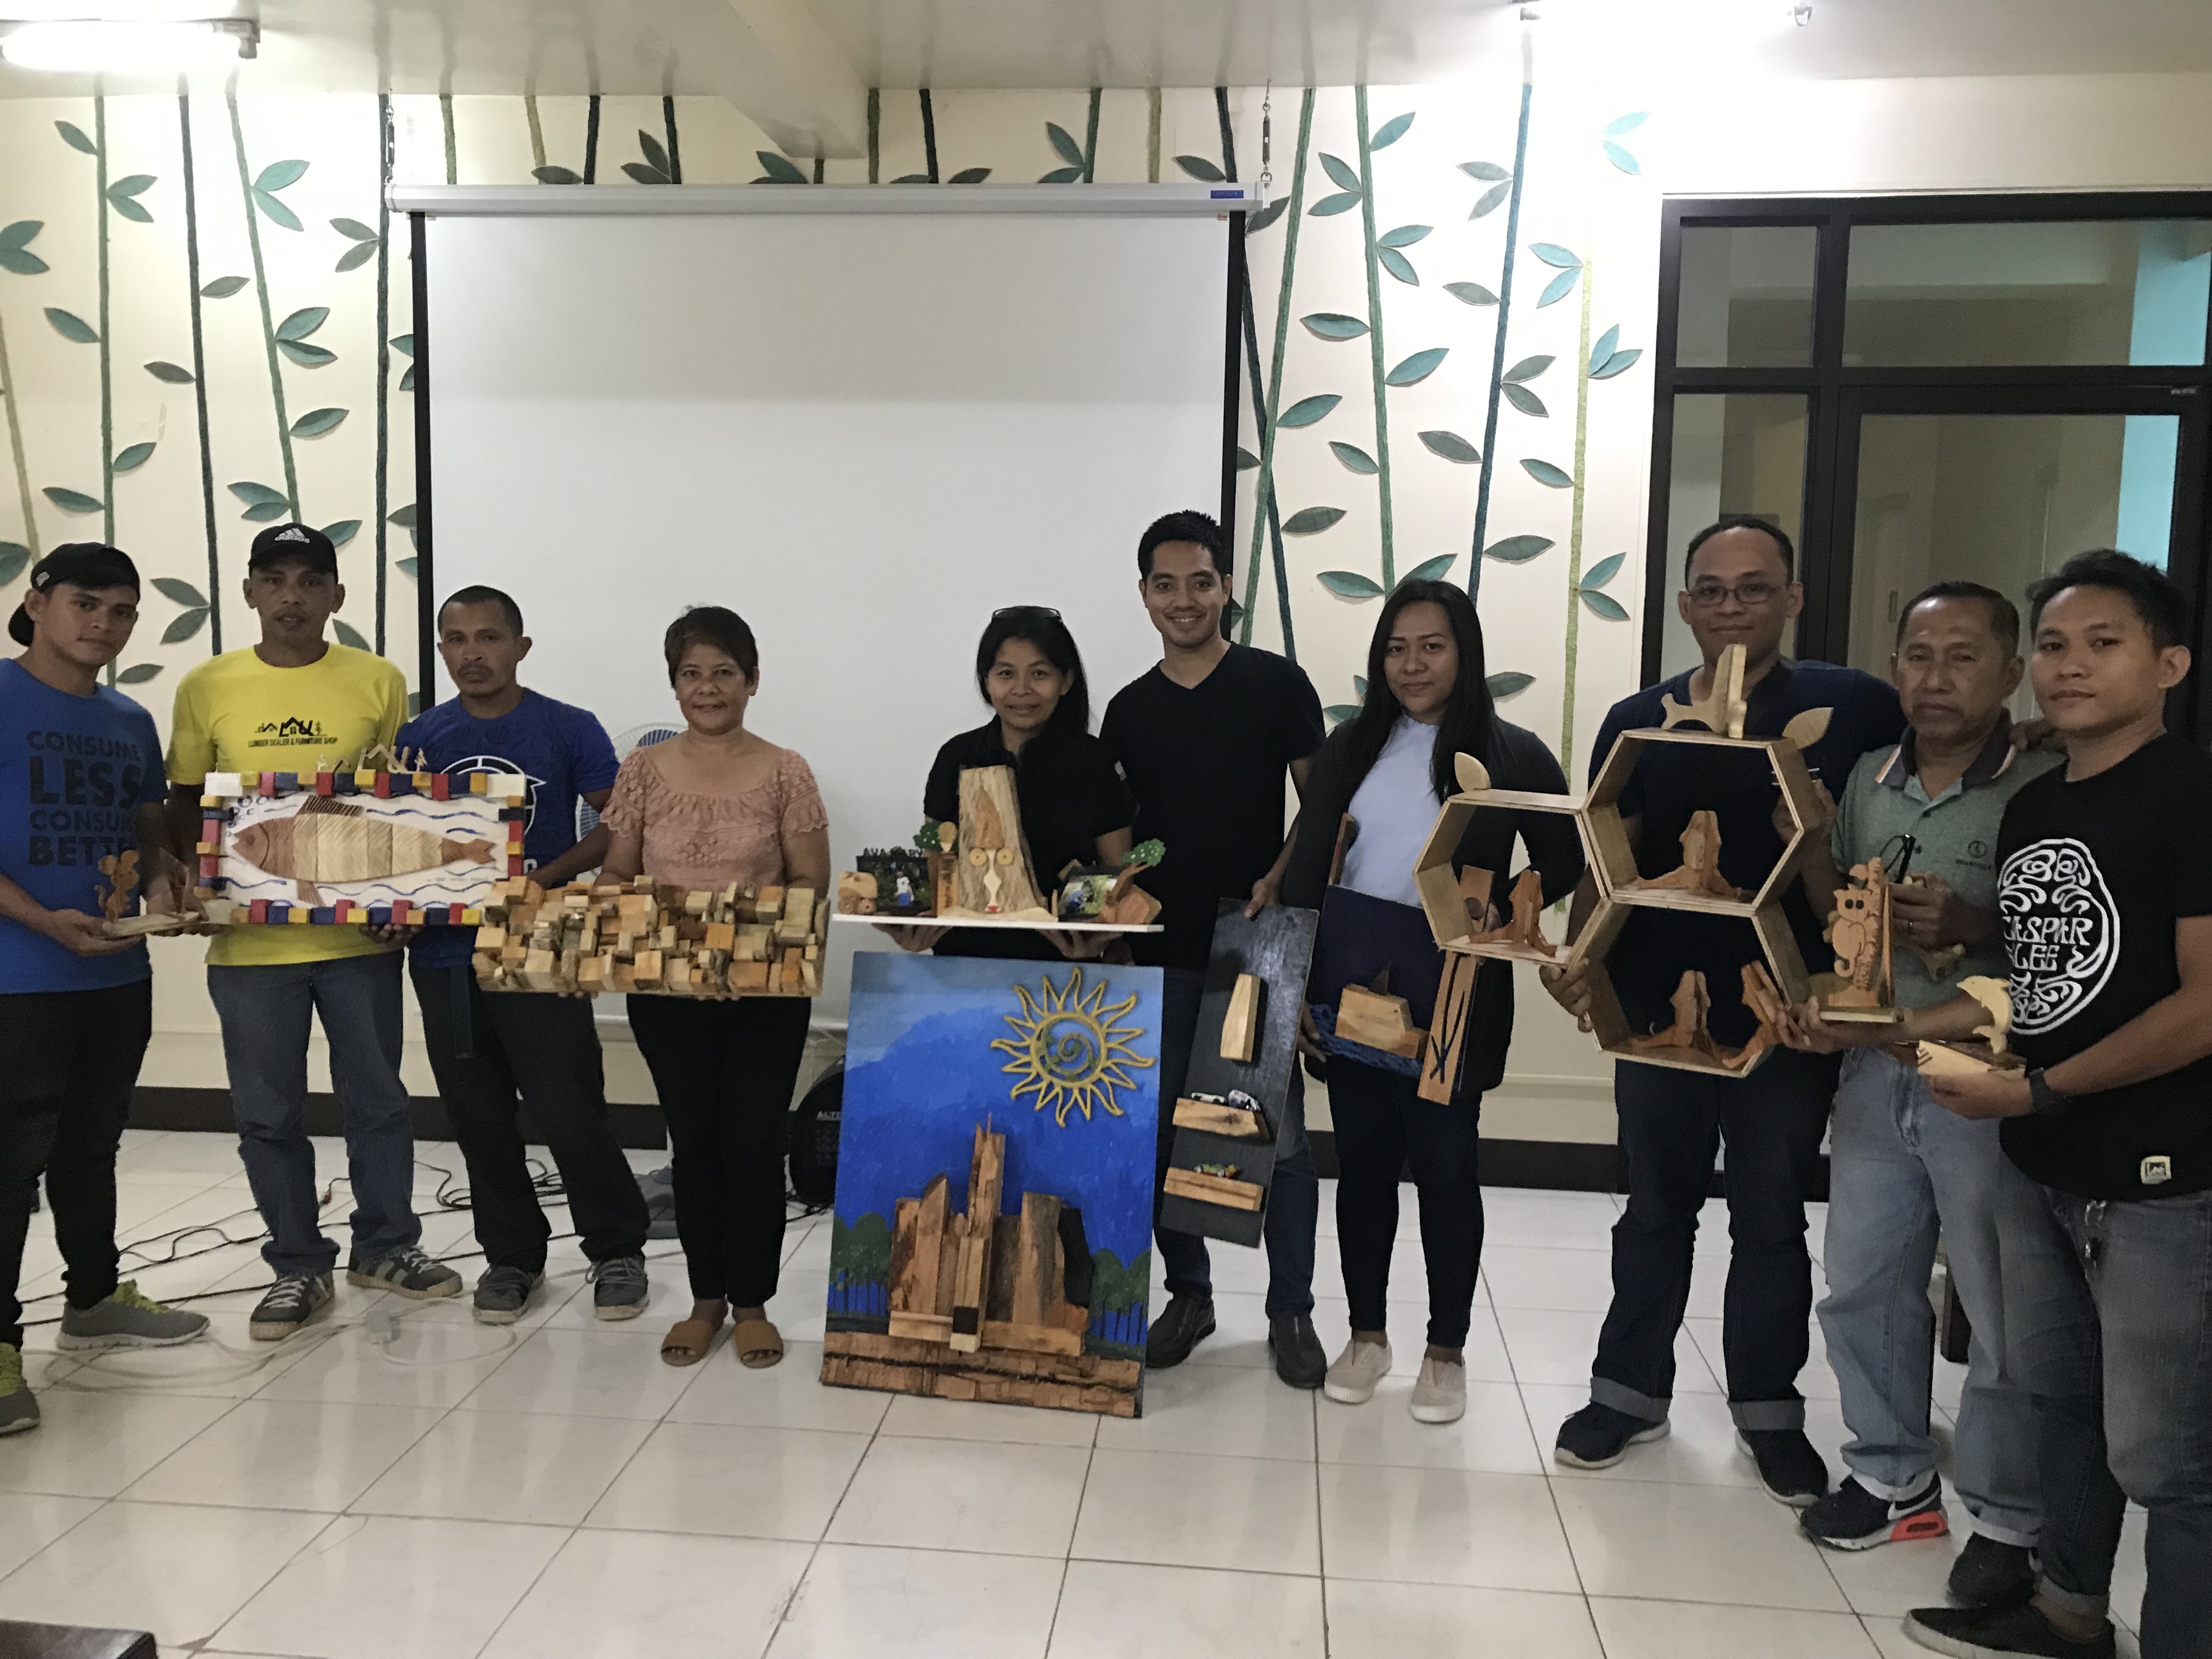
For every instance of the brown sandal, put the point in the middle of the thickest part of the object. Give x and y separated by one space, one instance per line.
689 1341
758 1344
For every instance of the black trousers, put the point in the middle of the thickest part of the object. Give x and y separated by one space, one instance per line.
69 1060
725 1072
1672 1123
494 1054
1382 1128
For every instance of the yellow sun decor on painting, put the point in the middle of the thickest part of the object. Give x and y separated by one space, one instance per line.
1069 1050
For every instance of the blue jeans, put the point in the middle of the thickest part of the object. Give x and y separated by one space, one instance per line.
1672 1123
2108 1324
1898 1166
1293 1198
264 1011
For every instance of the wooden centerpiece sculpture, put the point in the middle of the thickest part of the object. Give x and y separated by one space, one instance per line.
1862 988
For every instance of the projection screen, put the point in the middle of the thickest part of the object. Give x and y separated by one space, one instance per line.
864 432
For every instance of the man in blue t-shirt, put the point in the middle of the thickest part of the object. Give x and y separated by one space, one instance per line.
80 782
1739 587
488 1050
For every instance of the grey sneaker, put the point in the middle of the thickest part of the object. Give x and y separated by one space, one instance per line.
19 1406
1352 1379
288 1304
406 1271
502 1294
618 1287
1439 1393
128 1319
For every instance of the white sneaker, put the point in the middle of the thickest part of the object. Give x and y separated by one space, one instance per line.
1353 1378
1439 1393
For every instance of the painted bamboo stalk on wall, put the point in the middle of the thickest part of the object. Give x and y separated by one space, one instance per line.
1265 510
15 257
198 376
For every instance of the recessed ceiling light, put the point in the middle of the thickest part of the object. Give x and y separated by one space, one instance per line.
130 46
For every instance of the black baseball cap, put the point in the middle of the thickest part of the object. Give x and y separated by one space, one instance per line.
302 542
86 564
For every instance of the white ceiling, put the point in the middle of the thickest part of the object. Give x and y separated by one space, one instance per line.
801 67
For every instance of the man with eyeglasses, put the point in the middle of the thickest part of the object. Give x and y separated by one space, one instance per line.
1739 587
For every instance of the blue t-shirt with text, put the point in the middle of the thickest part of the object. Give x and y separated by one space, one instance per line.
563 749
73 772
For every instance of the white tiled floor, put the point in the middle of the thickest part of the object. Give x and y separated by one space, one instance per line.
553 1490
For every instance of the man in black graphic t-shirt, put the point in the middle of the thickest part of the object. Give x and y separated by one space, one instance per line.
2106 900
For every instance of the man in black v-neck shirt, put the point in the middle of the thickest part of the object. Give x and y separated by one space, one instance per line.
1204 740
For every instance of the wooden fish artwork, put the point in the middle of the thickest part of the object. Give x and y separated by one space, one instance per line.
329 840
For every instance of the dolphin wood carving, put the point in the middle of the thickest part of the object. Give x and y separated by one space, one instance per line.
329 840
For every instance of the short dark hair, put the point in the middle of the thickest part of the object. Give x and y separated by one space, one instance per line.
1044 630
1783 545
1185 526
2148 588
509 611
2004 615
715 625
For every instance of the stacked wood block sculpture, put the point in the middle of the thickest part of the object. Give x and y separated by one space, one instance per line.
637 938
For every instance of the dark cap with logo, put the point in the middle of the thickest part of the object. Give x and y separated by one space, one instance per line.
86 564
303 542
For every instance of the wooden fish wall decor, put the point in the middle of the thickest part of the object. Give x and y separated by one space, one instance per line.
358 847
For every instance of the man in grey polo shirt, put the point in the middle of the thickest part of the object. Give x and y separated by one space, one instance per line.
1901 1165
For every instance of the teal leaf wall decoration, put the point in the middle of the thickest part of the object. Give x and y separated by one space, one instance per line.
556 175
1355 458
1266 216
1606 342
343 532
317 421
302 323
1311 521
1306 410
1550 477
138 673
655 153
74 137
1524 400
1063 141
130 459
1627 123
184 626
1626 162
1404 236
353 230
1057 176
1334 325
406 566
1552 254
1430 570
403 344
73 501
1342 202
123 196
1350 584
645 174
1489 172
274 210
1618 362
1603 605
1528 368
356 256
14 556
969 176
1488 201
279 174
70 326
1603 571
1201 169
1346 175
1509 683
179 592
1518 550
1418 367
1471 294
1246 460
222 288
1451 447
1338 712
14 251
261 503
1558 288
1390 131
407 380
307 355
777 169
347 635
1398 265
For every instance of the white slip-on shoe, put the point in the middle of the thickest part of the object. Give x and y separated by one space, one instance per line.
1352 1379
1439 1393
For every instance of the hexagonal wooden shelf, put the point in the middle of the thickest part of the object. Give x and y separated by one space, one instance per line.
1438 886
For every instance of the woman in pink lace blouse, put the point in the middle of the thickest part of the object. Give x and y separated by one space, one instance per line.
713 804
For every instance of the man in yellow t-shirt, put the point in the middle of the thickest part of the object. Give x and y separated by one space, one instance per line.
284 705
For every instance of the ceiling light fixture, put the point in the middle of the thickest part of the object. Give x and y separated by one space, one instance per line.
128 46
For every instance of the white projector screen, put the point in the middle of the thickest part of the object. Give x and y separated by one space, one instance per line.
863 433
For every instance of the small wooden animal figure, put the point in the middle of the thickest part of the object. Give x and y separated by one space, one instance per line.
856 894
1691 1004
331 840
1700 869
1762 996
1526 925
1985 1051
1722 709
121 870
1859 930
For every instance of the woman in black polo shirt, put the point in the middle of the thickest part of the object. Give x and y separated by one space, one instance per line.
1074 808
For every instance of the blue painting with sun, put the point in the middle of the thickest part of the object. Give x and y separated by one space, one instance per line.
945 1056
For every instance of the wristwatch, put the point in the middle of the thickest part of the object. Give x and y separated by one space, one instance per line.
2042 1100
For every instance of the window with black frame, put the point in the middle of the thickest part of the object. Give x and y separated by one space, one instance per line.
1929 387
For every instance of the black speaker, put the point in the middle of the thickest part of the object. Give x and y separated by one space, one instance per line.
815 1122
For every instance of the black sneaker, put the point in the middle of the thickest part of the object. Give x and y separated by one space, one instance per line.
1853 1518
1598 1437
2000 1633
288 1306
1300 1359
1188 1321
1789 1467
503 1293
1989 1574
619 1289
407 1272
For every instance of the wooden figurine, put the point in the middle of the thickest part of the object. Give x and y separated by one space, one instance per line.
1525 927
121 870
1721 710
1986 1050
994 879
1700 869
1375 1020
1240 1028
1859 930
1691 1004
856 894
1474 885
1762 996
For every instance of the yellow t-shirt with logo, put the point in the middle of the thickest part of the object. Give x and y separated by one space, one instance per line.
236 714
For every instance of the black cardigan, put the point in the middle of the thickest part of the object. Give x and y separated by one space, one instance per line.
1517 759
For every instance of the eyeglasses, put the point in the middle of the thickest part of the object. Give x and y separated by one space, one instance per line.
1708 596
1025 610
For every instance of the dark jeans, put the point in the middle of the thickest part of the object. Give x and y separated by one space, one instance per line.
69 1060
1382 1127
1293 1198
264 1010
1672 1122
487 1050
2108 1323
725 1072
